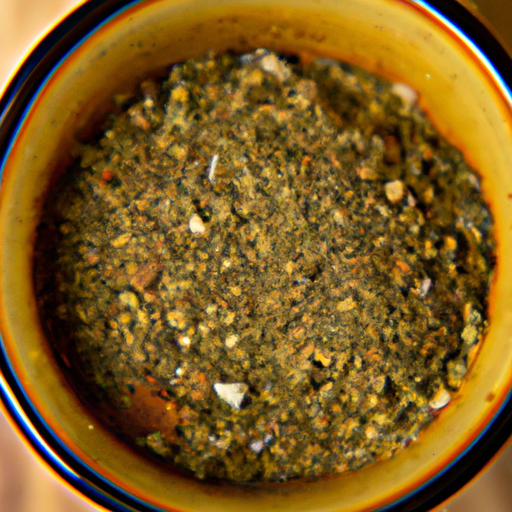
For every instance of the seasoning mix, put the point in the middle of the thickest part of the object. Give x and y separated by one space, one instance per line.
266 269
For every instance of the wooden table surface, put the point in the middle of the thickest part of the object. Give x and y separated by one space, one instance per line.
25 486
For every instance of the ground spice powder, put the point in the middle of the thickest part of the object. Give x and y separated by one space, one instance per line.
266 269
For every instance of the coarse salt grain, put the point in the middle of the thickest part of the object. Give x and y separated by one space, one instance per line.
212 167
407 94
232 394
184 341
196 225
394 191
232 340
442 399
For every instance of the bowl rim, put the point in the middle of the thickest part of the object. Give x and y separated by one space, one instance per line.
18 95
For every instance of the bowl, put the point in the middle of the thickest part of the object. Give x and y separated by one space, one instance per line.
64 90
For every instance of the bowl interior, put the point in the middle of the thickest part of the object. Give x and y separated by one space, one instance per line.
396 39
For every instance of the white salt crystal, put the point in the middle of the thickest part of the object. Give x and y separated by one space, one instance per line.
232 394
196 224
394 191
442 399
408 95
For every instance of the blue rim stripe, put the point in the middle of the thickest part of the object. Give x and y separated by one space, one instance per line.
489 66
21 418
12 403
25 73
507 93
95 486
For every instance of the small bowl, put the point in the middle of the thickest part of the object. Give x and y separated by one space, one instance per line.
65 88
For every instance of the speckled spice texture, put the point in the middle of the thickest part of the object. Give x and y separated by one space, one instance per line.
288 258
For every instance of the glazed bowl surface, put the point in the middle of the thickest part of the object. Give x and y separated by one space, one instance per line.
65 89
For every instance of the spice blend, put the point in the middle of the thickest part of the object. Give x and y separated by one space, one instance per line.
267 269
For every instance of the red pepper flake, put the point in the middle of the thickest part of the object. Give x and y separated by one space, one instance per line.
150 379
404 267
66 360
106 176
427 155
163 394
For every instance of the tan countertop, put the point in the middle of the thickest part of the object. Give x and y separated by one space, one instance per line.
25 486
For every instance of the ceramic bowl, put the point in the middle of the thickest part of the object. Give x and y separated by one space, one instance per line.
64 89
